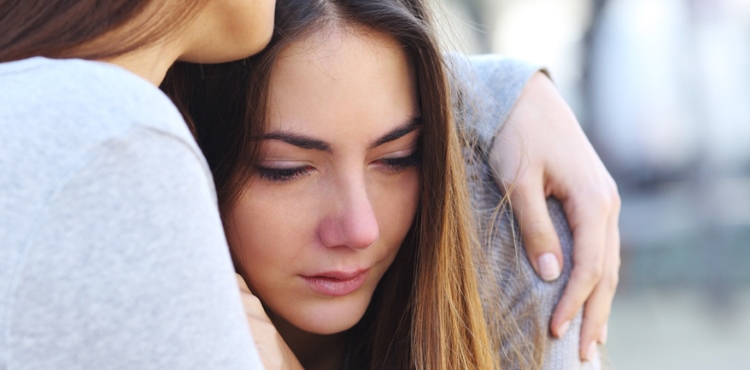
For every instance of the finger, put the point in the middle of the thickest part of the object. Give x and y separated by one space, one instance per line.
251 303
242 284
599 305
612 263
254 308
588 222
272 349
537 230
268 343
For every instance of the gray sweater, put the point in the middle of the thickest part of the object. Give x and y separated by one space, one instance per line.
112 253
485 90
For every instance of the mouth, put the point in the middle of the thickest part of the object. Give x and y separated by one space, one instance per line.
336 283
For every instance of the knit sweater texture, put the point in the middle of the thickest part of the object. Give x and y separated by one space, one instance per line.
485 90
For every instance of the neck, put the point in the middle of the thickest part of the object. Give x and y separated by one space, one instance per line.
152 61
149 63
314 351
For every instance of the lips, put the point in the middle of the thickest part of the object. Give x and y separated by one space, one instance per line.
336 283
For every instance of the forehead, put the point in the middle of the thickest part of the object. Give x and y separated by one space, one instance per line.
338 48
341 76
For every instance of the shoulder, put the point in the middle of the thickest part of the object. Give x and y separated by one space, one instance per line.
73 122
86 97
491 71
527 299
485 88
106 196
56 113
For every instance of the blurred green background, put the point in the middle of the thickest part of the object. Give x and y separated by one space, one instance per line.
662 88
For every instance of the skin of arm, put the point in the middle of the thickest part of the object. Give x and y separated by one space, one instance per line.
542 152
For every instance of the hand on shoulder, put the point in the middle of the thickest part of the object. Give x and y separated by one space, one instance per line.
542 152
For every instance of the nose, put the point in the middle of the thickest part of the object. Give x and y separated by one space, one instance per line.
352 221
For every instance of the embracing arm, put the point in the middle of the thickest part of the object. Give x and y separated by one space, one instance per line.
499 91
542 152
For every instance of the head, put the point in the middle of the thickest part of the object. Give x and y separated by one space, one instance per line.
336 186
205 31
341 182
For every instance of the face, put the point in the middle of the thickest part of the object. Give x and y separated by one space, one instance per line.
337 187
227 30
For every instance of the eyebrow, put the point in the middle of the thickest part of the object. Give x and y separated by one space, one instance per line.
307 142
398 132
301 141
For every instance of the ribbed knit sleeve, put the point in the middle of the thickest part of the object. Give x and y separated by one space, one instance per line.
485 91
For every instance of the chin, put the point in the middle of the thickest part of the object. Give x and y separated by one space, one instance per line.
227 51
326 319
327 329
254 45
256 39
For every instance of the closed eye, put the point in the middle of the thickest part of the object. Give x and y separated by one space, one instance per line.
282 174
398 164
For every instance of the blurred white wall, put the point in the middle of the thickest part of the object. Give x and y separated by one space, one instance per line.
662 88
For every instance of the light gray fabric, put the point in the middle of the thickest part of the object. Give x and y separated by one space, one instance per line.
112 252
487 88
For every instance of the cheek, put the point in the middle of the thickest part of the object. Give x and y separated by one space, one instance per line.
396 205
267 234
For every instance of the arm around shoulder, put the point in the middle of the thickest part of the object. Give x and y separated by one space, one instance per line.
531 300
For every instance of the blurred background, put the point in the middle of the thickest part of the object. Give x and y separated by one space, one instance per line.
662 88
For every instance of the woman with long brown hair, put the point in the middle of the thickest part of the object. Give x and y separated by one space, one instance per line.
113 253
341 182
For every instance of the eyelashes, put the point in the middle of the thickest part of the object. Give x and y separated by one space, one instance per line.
282 174
400 163
390 165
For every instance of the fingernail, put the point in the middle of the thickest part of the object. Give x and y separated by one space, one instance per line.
605 333
563 329
591 352
549 269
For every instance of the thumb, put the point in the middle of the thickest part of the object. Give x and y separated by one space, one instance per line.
537 231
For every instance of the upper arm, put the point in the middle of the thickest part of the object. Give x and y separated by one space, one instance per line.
127 267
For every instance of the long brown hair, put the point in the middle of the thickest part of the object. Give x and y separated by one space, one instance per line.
436 321
73 29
